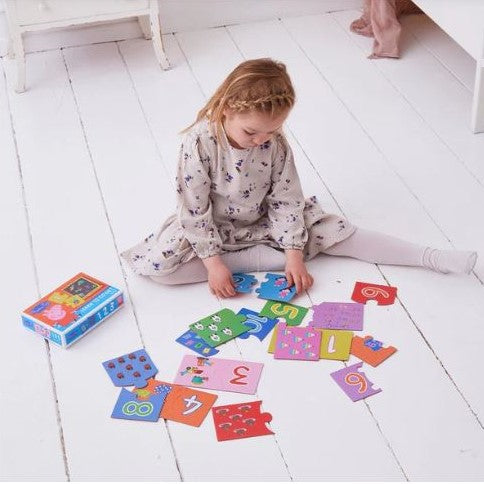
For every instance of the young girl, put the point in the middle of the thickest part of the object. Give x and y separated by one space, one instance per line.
240 203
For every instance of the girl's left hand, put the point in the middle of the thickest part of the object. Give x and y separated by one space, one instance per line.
296 272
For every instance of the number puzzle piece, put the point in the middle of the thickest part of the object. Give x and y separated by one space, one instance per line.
291 314
272 342
276 288
243 282
364 291
260 325
131 369
187 405
370 350
338 315
129 407
335 344
191 340
220 327
240 420
296 343
219 374
354 383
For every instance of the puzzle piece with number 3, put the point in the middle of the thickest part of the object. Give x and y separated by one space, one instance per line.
354 383
219 374
240 420
365 291
276 288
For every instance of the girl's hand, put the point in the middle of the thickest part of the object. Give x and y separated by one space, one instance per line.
219 277
296 272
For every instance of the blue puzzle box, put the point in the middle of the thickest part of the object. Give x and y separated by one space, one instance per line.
73 309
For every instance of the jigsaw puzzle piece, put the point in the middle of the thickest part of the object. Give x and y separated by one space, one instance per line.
354 383
260 325
129 407
191 340
276 288
335 344
243 282
364 291
131 369
240 421
220 327
296 343
338 315
291 314
370 350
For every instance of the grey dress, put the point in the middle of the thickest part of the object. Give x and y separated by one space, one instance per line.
230 199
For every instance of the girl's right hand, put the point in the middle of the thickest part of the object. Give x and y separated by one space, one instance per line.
219 278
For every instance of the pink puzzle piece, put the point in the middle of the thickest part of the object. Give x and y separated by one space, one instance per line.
296 343
338 315
365 291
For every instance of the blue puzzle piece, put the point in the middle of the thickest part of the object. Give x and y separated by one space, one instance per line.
243 282
129 407
131 369
196 343
275 288
260 326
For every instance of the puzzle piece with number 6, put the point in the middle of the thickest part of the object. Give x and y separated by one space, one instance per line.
220 327
240 420
354 382
296 343
290 314
364 291
276 288
370 350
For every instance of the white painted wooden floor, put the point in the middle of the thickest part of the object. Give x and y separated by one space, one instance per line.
88 156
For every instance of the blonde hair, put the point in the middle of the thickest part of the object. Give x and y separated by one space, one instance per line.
262 85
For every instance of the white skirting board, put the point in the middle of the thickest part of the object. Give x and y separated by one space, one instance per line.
176 16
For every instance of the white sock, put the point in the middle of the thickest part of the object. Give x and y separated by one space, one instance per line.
445 261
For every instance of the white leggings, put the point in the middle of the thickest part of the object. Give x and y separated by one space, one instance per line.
362 244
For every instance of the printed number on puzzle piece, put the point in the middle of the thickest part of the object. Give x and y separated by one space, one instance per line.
129 407
296 343
276 288
354 383
220 327
291 314
191 340
370 350
338 315
260 325
131 369
335 344
240 421
243 282
364 291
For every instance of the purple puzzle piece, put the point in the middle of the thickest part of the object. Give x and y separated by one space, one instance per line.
338 315
354 383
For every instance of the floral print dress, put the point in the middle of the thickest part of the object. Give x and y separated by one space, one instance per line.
230 199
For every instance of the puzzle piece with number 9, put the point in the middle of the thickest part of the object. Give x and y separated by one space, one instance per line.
354 383
365 291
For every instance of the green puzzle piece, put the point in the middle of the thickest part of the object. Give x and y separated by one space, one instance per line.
220 327
290 312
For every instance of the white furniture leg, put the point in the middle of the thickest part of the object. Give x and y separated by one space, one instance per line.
478 100
156 35
18 50
144 23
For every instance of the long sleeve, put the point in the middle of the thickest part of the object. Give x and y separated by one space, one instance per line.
285 200
194 205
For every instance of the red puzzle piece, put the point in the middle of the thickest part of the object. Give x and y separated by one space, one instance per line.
365 291
370 350
240 420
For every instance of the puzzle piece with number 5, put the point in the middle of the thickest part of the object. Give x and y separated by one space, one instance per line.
240 420
290 314
219 374
243 282
365 291
296 343
220 327
276 288
370 350
354 383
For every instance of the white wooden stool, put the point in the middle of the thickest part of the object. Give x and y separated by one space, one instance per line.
34 15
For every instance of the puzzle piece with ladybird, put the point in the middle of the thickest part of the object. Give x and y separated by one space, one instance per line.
364 291
260 325
243 282
354 382
290 314
276 288
370 350
296 343
240 420
131 369
338 315
220 327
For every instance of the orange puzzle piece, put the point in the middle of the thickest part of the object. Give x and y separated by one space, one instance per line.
370 350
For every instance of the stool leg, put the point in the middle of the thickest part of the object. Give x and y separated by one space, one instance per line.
144 23
18 51
156 36
478 101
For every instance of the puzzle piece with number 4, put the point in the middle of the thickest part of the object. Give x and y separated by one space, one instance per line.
354 382
276 288
365 291
240 420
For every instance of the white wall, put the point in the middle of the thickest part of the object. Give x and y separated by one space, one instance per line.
179 15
